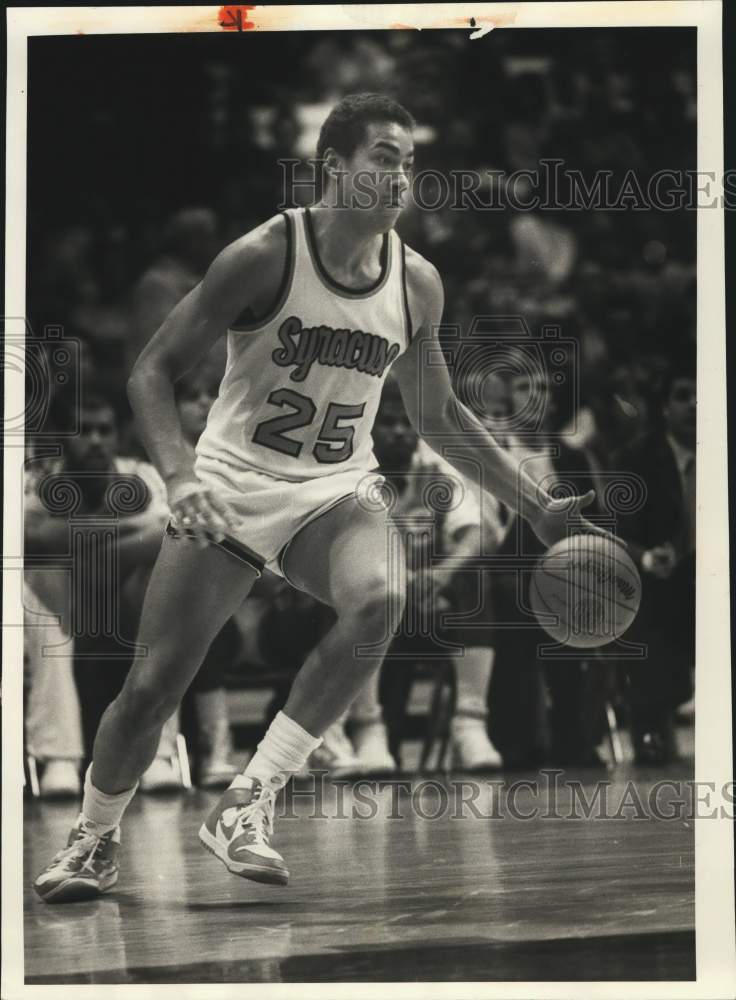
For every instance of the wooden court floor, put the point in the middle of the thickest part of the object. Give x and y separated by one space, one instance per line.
395 896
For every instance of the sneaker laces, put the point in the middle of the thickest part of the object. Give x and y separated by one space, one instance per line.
86 844
257 816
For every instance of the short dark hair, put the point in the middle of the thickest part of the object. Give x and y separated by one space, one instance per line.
391 391
65 410
344 128
188 383
93 399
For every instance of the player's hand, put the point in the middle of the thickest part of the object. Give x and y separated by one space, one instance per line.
562 517
195 508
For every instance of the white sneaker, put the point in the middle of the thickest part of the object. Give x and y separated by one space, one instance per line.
60 779
238 831
334 755
471 748
371 748
162 776
84 869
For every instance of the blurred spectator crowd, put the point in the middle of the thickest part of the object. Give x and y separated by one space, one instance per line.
112 251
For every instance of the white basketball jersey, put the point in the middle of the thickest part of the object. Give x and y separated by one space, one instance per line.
302 387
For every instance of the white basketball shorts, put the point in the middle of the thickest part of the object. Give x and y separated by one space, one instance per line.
270 512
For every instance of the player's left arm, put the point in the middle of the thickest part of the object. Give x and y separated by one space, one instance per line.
440 418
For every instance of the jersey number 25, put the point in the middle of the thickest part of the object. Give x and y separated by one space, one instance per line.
335 441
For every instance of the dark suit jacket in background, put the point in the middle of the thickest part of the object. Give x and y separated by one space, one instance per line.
666 619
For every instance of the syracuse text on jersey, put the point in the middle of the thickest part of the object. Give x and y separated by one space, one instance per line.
305 345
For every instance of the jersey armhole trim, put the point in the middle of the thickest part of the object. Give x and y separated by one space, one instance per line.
246 325
407 312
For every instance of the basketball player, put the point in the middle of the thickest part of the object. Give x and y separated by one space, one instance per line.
317 304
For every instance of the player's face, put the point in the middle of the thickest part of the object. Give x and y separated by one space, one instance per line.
530 398
680 411
494 399
93 449
394 438
193 406
379 171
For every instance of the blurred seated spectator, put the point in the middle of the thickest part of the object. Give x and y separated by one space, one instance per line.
341 64
544 248
617 410
465 526
542 712
106 515
53 725
661 537
476 527
189 245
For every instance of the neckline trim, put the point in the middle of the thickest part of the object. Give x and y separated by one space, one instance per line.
332 283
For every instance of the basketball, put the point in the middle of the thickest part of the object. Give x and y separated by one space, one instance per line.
585 591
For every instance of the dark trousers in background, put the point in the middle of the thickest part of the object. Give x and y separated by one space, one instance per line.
659 683
99 679
541 711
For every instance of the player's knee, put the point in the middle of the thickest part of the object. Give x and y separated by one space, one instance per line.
147 702
378 605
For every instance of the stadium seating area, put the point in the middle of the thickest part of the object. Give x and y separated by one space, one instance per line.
118 230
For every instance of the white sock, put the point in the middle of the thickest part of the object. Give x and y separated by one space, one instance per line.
473 675
100 811
281 753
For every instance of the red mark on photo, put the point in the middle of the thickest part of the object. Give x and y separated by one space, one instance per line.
235 18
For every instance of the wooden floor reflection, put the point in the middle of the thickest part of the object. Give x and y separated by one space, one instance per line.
393 897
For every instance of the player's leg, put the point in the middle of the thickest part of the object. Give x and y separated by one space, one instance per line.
351 559
191 594
342 559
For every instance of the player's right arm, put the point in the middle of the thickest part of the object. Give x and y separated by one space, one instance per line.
244 276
